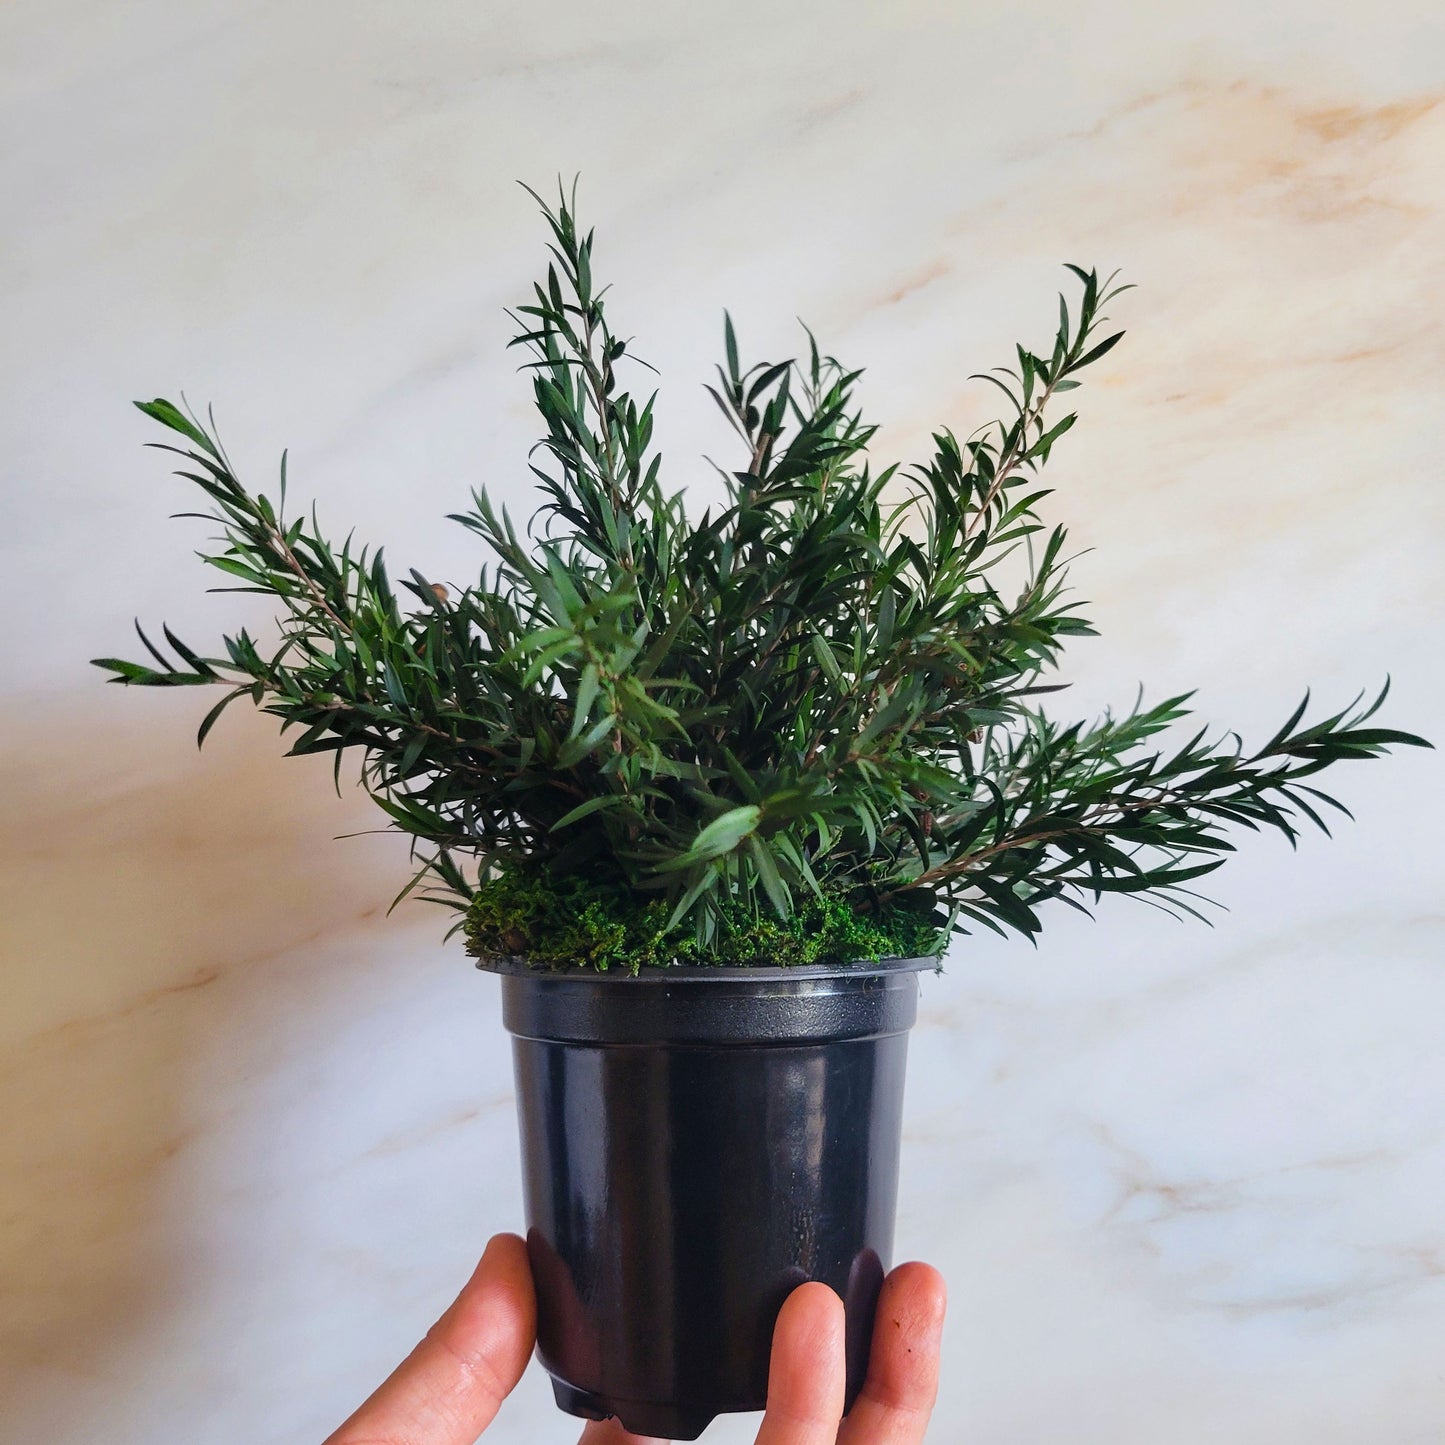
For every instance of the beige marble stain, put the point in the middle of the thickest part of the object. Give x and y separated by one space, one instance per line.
144 899
918 280
151 869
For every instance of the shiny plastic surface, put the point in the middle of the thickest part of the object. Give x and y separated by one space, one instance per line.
694 1148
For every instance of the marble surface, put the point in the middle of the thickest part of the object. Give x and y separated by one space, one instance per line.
1187 1185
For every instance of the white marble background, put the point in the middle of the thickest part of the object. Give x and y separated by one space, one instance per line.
1187 1185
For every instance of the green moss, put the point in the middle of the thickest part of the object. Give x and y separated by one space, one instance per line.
569 923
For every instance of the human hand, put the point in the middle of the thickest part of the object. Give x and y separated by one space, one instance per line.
448 1390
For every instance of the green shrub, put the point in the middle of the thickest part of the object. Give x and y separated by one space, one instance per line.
800 727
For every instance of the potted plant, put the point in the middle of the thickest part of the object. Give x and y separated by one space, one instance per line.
708 791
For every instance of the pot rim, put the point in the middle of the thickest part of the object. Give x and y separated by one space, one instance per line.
515 967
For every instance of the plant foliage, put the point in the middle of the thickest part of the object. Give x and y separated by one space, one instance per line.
806 715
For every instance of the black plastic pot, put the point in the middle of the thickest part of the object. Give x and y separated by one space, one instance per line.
696 1143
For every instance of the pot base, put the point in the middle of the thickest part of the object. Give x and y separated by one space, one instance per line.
641 1417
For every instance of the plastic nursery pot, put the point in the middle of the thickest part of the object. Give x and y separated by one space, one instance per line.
696 1142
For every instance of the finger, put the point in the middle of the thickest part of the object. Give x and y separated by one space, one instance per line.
448 1389
902 1384
806 1374
610 1432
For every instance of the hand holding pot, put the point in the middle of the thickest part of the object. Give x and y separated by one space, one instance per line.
448 1390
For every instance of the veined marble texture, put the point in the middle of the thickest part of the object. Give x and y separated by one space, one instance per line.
1187 1185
